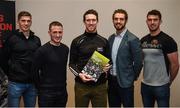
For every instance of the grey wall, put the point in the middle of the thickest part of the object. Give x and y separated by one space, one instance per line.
70 13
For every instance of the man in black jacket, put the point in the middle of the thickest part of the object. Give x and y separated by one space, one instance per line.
81 50
19 51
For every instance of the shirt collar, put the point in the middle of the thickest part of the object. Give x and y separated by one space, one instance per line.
122 33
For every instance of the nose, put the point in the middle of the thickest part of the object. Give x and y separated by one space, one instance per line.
152 21
91 22
26 22
118 20
58 34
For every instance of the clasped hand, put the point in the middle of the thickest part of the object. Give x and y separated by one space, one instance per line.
85 77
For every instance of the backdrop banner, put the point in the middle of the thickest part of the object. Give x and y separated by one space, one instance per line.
7 24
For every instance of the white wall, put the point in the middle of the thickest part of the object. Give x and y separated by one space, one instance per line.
70 13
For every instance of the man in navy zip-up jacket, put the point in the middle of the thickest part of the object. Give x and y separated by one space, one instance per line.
19 50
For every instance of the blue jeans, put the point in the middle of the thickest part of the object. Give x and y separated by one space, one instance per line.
150 94
118 95
16 90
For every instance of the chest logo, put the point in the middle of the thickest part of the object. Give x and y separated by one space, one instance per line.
154 42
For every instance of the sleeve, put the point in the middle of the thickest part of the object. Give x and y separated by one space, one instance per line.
137 55
74 58
39 42
36 67
170 46
108 52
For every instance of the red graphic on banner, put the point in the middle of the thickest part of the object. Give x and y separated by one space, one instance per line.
4 27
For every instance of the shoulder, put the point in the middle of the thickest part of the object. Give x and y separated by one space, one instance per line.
13 34
101 38
131 36
78 39
166 37
35 37
65 46
111 36
145 37
169 44
44 47
12 37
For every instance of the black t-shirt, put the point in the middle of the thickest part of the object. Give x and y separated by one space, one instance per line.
52 62
156 63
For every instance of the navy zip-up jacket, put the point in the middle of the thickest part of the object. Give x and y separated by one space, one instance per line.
19 53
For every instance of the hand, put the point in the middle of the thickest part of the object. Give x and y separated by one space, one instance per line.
106 67
85 78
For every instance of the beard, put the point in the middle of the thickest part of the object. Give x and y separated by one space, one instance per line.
119 27
153 29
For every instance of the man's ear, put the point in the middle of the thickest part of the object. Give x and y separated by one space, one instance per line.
49 32
161 22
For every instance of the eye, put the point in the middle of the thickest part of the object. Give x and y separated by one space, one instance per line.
28 21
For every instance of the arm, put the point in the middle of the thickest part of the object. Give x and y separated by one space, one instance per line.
137 56
173 65
36 66
73 59
73 63
108 55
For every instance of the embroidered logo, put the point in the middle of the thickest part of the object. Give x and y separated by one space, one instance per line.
100 49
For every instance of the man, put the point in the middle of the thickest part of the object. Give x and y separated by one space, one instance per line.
126 56
51 62
82 48
19 50
160 63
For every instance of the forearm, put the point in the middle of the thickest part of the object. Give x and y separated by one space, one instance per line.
73 68
173 65
174 68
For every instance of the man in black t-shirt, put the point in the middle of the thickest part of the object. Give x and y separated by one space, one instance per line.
50 69
161 63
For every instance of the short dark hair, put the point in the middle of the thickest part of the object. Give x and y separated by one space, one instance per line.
55 23
154 12
90 11
24 13
120 11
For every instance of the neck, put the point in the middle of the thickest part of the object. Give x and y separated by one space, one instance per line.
95 31
155 33
26 33
120 31
55 44
90 33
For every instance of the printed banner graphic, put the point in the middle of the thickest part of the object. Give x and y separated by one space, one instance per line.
7 19
7 24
